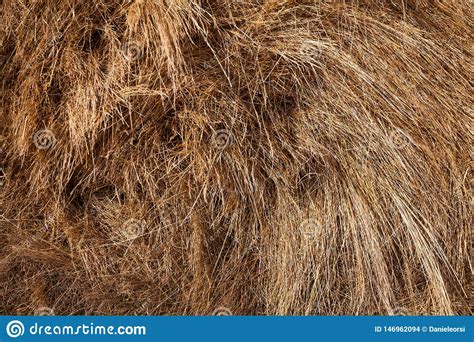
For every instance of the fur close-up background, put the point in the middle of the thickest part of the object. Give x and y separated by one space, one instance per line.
247 157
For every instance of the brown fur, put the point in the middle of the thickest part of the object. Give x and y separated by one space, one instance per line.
264 157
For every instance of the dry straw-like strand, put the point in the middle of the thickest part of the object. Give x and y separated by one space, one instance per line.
235 157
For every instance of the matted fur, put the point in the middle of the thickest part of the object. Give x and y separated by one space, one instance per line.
256 157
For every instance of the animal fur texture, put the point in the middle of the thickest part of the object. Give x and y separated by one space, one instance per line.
191 157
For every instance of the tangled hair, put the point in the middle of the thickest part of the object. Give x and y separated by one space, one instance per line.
256 157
